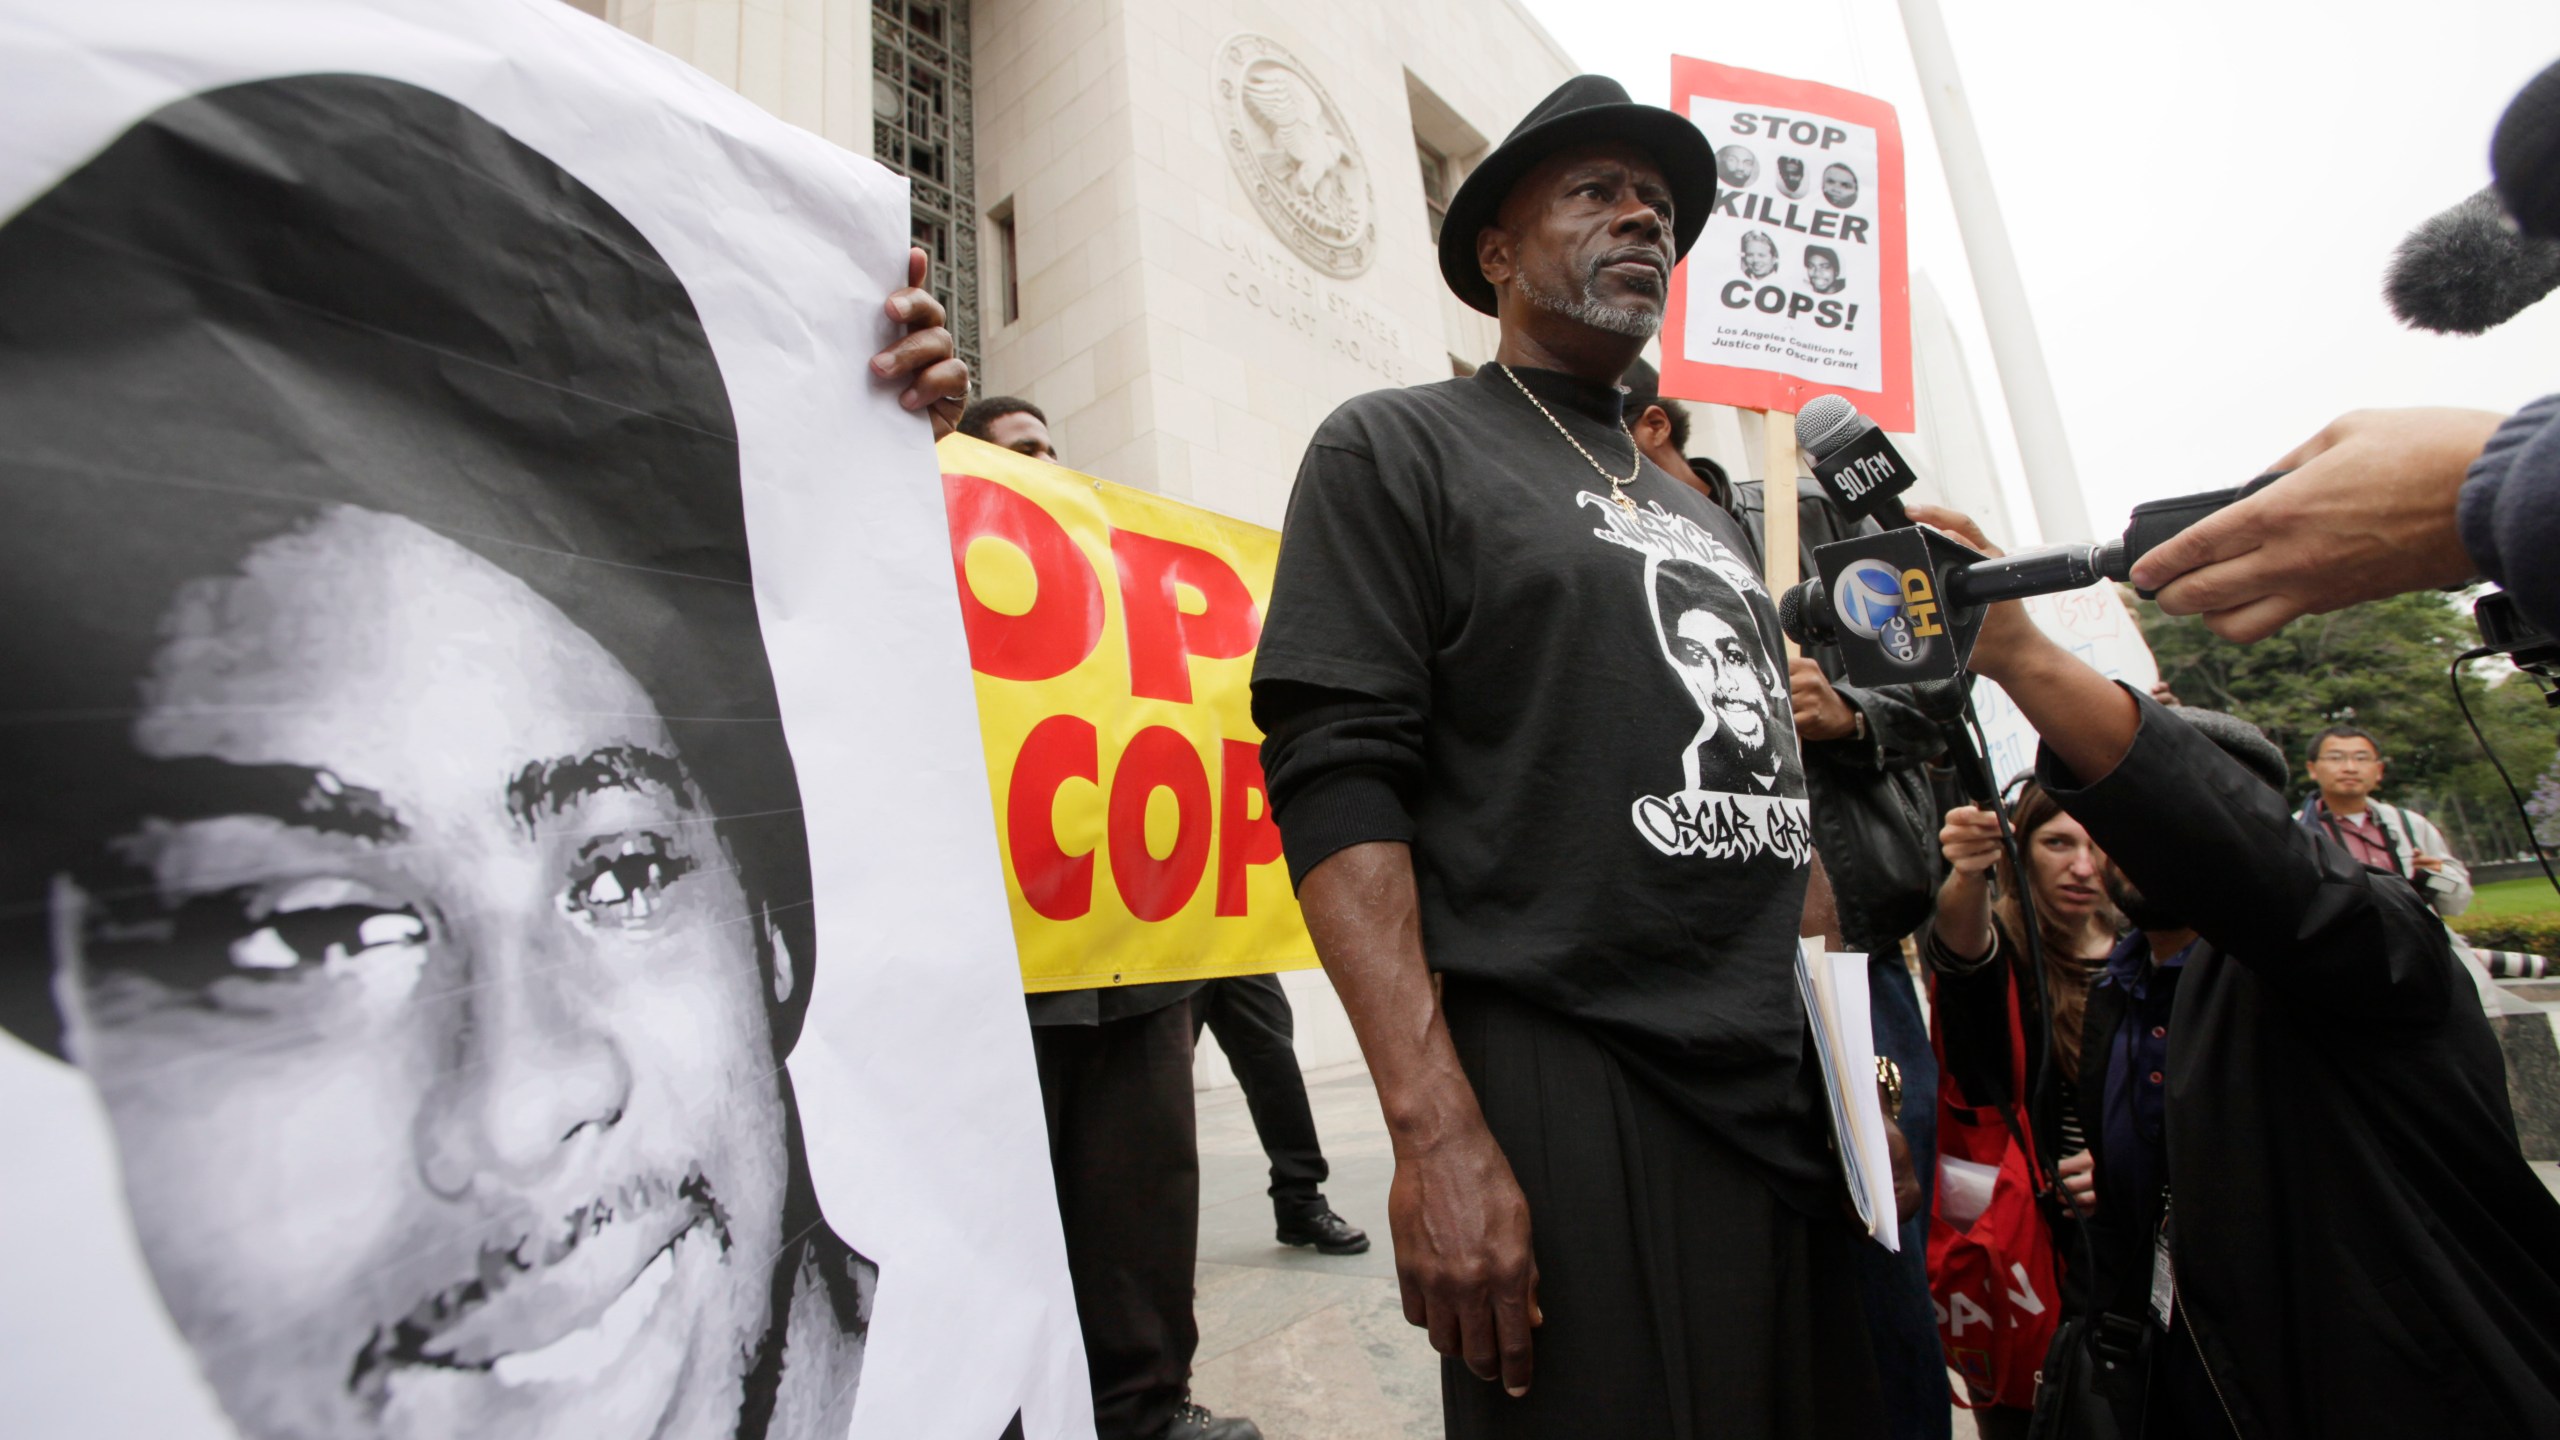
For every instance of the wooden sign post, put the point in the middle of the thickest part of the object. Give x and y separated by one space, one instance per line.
1778 506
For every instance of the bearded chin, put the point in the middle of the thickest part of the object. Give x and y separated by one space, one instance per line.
1589 309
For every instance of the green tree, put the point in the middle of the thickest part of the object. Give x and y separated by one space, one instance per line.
2381 666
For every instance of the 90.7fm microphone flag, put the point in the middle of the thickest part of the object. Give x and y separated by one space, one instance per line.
1800 285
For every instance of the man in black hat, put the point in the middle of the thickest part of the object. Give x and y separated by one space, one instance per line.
1565 942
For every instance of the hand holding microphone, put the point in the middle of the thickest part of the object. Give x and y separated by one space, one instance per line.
2368 512
1970 839
2007 629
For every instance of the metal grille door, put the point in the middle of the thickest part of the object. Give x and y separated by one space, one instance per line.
920 128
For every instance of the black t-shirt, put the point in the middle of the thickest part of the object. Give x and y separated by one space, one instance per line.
1605 802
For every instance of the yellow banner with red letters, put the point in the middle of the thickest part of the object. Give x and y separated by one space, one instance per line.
1112 632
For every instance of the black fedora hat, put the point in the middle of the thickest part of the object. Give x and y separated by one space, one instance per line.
1582 109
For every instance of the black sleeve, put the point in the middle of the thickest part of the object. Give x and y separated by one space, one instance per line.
1339 766
1971 999
1898 736
2211 843
1342 676
2510 510
1355 604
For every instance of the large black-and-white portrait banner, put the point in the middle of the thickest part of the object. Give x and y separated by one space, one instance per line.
500 926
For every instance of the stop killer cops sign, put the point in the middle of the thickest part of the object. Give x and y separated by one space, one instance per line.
1800 284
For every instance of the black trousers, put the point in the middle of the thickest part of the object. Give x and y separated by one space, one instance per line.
1683 1299
1250 1016
1125 1149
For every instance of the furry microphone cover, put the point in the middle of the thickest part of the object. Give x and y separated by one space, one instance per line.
2467 270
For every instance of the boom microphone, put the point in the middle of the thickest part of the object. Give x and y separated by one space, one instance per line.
2524 156
2467 270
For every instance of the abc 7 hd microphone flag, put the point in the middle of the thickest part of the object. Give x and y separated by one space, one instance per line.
1894 626
1800 284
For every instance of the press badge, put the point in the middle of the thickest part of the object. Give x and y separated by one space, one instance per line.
2164 1281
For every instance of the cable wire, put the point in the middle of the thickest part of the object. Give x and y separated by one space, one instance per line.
2453 676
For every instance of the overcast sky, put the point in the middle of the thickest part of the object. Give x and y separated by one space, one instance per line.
2202 195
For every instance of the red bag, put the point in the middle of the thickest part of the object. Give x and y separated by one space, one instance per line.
1994 1283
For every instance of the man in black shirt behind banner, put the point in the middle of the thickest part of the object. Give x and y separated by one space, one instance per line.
1529 733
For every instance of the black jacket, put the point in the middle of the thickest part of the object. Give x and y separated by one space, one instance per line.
1875 817
2360 1247
2510 510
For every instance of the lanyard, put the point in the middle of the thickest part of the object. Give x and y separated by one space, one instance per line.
2390 846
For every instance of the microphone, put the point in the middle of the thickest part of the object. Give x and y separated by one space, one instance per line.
1806 614
2467 271
2046 571
2524 156
1904 605
1858 467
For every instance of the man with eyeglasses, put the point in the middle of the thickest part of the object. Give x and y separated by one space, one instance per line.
2346 763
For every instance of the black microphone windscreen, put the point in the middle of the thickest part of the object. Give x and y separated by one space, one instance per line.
1940 700
2467 270
2524 155
1800 614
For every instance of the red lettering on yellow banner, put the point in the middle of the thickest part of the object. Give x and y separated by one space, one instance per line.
1158 759
1059 749
1064 622
1244 839
1162 635
1112 633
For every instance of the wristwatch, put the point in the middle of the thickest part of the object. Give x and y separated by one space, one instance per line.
1889 1083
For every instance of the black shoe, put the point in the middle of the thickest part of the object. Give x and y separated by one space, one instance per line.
1191 1422
1328 1232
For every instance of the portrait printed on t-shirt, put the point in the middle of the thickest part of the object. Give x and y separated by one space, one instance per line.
1741 781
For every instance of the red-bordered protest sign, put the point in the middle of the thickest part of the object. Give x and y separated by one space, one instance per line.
1800 285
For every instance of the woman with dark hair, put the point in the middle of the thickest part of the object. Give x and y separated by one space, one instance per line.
1975 947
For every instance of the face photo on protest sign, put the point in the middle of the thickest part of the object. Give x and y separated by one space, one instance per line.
1805 289
444 993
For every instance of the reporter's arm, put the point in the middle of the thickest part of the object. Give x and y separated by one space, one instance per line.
1961 924
2085 718
2448 883
2204 837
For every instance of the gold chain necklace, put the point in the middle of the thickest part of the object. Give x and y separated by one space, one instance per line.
1617 487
